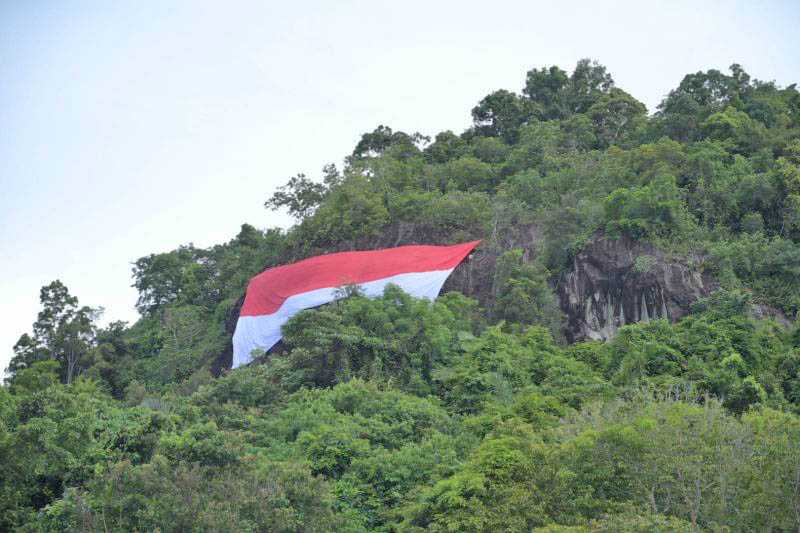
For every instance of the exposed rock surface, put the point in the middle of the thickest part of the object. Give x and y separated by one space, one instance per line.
761 312
614 282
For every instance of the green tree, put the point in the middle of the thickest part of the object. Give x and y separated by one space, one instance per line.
654 210
522 293
616 116
500 114
556 96
300 196
63 331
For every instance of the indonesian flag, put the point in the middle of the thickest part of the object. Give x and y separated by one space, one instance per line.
277 294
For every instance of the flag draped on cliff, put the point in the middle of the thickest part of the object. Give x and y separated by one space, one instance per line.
277 294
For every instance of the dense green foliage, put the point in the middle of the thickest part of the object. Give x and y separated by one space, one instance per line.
396 414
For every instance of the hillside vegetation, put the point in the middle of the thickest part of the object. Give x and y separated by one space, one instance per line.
470 413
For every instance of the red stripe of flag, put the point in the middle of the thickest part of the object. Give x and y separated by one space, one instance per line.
267 291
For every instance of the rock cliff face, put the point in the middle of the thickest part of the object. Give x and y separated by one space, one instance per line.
614 282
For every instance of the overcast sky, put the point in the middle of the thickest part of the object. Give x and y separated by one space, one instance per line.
133 127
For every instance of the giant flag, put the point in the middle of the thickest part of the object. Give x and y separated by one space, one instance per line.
277 294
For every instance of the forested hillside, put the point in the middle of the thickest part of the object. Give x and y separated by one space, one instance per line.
524 398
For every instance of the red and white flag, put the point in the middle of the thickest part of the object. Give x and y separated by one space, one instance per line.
277 294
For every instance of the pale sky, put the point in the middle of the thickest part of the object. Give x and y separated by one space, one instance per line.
132 127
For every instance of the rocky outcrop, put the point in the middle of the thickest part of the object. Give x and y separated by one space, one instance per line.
620 281
766 312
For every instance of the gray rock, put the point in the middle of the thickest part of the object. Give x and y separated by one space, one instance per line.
620 281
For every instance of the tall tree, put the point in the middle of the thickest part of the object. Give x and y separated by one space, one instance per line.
500 114
58 306
63 331
27 351
556 96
